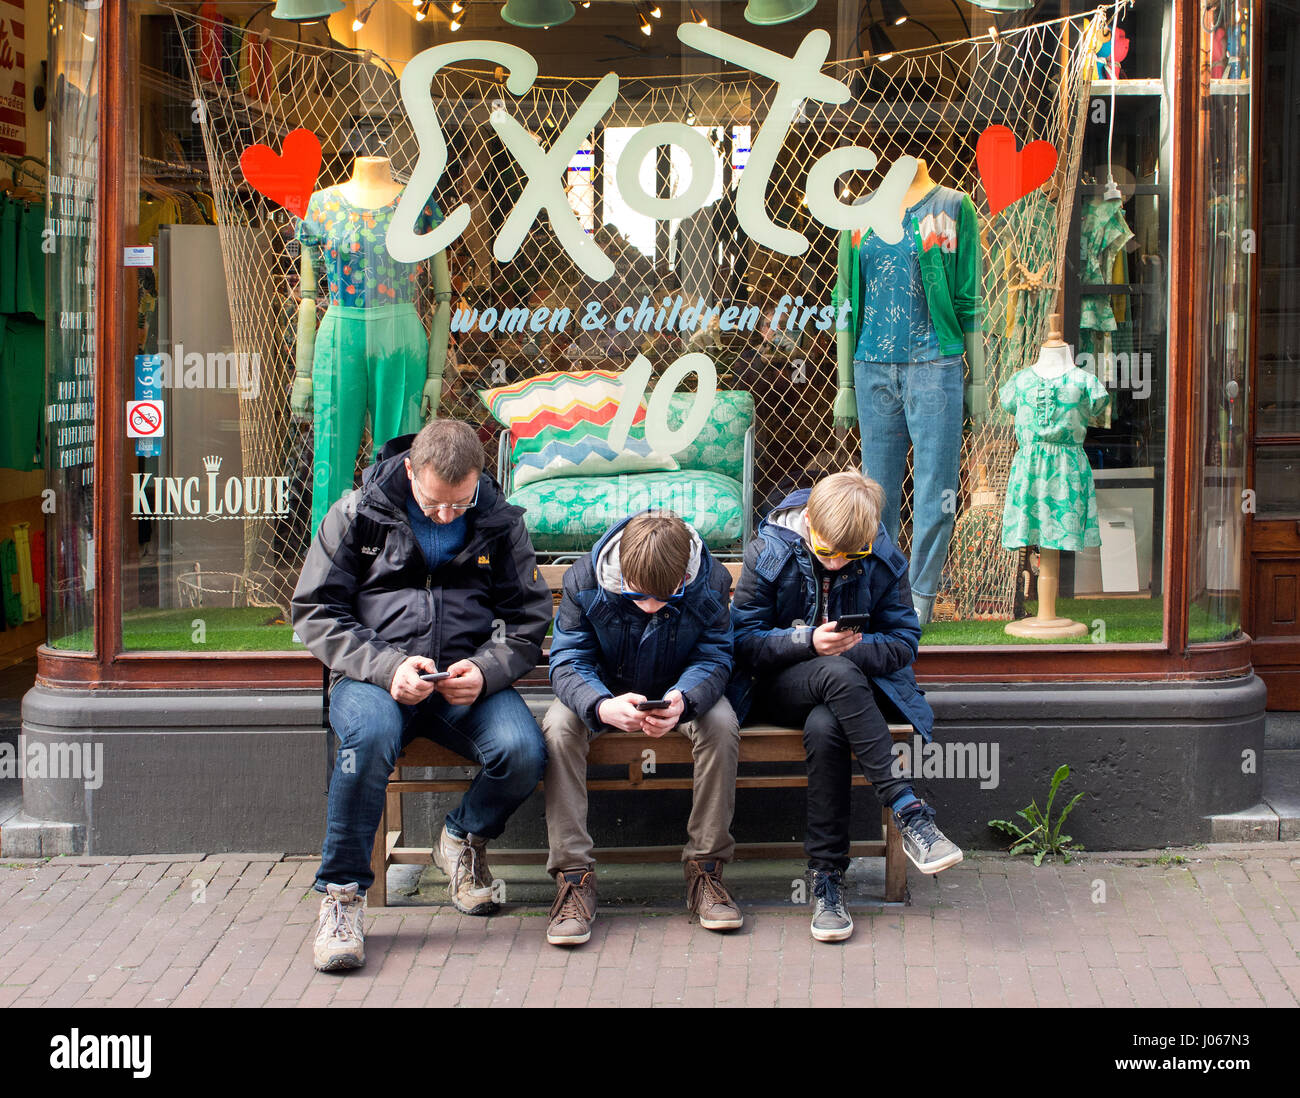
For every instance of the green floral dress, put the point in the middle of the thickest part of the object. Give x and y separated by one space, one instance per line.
1050 498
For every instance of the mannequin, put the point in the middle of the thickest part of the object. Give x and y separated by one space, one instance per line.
371 354
915 321
1053 401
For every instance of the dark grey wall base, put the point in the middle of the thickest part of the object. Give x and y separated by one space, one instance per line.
185 771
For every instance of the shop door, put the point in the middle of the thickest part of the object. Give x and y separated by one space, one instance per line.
1272 609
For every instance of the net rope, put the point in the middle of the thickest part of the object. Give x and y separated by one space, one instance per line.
930 103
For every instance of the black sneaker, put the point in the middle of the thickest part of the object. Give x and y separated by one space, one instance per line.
925 845
831 921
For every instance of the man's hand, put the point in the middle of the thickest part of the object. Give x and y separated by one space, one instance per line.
464 686
407 687
660 721
622 712
828 642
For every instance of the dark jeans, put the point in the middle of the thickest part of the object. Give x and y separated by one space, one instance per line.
497 731
836 704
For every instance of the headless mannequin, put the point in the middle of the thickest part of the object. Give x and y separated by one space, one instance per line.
1054 360
921 185
372 187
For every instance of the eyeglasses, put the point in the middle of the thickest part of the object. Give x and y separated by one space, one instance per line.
833 554
429 507
637 596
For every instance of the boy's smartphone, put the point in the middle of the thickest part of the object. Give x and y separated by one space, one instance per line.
655 703
435 676
854 623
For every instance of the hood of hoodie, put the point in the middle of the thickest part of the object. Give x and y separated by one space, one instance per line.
785 522
609 572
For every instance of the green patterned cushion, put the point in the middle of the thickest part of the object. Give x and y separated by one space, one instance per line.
720 447
570 513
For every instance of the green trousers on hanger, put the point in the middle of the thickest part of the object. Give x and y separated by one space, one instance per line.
365 360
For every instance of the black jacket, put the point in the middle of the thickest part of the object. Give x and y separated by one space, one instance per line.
366 599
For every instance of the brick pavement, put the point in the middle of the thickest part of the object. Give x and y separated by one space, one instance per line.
1220 929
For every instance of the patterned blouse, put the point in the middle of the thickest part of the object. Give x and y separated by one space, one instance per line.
359 270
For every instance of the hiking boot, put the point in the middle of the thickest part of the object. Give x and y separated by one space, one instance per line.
831 921
928 848
708 898
574 907
340 935
470 881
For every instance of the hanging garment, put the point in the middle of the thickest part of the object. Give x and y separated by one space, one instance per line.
1051 502
366 360
22 381
9 213
29 278
1102 232
26 584
11 599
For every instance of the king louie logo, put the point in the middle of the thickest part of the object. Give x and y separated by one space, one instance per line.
153 496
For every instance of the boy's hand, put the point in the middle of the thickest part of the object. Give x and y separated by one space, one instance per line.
622 712
407 687
658 722
464 686
827 641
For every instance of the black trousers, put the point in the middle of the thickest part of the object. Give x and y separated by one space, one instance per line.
836 703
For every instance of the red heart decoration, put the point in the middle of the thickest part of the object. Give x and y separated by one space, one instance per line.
1009 175
287 178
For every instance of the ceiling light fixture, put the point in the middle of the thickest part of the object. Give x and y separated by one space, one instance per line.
696 17
892 11
422 12
645 23
363 16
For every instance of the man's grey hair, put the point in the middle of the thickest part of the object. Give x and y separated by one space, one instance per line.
450 447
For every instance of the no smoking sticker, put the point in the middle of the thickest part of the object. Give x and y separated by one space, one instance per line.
144 419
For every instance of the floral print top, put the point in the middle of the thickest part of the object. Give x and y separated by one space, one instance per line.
350 239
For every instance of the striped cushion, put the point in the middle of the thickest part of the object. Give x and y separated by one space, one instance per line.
559 426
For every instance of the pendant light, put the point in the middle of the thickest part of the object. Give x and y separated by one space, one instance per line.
362 17
1004 5
537 13
766 12
306 11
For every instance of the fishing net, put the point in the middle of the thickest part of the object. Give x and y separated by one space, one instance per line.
930 103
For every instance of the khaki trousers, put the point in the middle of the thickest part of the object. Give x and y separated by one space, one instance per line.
715 750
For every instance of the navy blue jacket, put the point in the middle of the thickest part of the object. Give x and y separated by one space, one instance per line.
778 587
604 646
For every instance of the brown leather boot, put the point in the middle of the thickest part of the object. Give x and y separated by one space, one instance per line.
574 907
708 898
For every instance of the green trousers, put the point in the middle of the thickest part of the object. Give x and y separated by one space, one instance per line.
366 360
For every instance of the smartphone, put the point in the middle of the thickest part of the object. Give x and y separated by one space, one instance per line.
854 623
656 703
436 676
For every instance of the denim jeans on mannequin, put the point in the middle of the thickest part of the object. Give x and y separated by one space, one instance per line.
497 731
916 404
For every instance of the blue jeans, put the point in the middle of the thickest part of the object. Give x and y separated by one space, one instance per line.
918 404
497 731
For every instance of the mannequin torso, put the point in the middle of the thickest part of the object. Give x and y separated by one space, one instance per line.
372 185
922 185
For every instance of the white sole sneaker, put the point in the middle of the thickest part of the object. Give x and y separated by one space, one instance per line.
722 924
932 868
833 935
567 939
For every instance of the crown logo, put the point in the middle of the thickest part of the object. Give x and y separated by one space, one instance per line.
212 463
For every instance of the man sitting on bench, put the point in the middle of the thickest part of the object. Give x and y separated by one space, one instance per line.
424 570
642 643
825 637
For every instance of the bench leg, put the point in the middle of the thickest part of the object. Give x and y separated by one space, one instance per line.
895 861
377 894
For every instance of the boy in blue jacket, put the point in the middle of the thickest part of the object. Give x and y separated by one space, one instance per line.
821 555
643 618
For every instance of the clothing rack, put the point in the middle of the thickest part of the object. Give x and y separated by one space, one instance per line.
19 165
167 169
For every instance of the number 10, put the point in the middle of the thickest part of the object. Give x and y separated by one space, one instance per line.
662 438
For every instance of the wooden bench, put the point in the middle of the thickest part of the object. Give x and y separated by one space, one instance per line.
758 744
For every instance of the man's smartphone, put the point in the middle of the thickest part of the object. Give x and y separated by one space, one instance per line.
435 676
656 703
852 623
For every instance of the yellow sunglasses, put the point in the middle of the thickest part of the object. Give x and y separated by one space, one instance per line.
832 554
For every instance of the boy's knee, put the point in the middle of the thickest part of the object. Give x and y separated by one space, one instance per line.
840 671
719 724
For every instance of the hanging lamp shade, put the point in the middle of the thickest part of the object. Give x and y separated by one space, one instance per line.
1004 5
766 12
536 13
306 11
